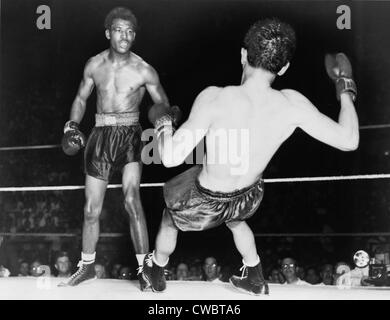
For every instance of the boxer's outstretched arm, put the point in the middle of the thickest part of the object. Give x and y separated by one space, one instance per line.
154 87
85 89
343 135
174 149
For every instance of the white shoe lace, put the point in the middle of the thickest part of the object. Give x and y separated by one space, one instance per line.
74 275
149 260
243 270
139 270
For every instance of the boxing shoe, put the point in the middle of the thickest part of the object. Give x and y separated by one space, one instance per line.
153 275
142 283
251 280
86 272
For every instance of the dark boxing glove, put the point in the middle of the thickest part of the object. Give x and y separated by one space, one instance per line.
164 118
339 69
73 139
176 115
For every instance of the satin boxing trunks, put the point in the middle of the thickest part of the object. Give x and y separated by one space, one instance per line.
114 141
195 208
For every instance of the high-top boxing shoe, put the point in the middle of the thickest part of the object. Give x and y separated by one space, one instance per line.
153 274
251 280
85 273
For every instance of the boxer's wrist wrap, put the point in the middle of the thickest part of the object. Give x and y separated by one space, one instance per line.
71 125
347 85
163 129
163 124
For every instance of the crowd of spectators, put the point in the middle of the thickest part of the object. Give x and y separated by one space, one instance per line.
285 271
61 212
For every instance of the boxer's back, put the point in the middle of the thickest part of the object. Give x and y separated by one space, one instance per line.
249 128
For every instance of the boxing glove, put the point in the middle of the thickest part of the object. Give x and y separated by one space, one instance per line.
73 139
339 69
164 117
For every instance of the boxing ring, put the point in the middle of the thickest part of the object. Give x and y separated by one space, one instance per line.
30 288
45 288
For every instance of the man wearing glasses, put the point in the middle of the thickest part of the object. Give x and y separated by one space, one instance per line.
212 270
289 271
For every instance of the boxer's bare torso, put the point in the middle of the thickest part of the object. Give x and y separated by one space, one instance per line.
262 122
120 86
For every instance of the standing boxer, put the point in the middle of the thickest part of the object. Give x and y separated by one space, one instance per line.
207 196
121 78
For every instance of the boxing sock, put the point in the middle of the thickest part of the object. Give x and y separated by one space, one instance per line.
140 258
251 265
88 258
159 264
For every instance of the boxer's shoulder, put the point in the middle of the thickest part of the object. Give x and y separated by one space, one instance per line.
292 95
96 61
208 96
300 108
296 99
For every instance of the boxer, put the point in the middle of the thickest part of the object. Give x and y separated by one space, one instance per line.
211 194
121 78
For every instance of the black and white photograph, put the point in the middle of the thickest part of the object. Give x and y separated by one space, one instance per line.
183 152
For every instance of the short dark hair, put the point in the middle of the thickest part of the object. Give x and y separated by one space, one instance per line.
270 44
61 254
120 13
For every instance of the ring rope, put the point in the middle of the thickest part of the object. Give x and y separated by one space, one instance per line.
375 126
259 235
54 146
160 184
46 146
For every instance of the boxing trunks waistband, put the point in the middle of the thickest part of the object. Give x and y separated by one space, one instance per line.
116 119
227 196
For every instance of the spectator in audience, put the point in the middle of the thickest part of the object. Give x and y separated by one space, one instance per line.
312 276
23 269
301 272
4 272
195 270
35 271
182 271
326 275
211 269
63 265
276 276
100 271
289 271
125 273
115 270
195 273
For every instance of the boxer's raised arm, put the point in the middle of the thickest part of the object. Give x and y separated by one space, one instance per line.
343 135
85 89
175 148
